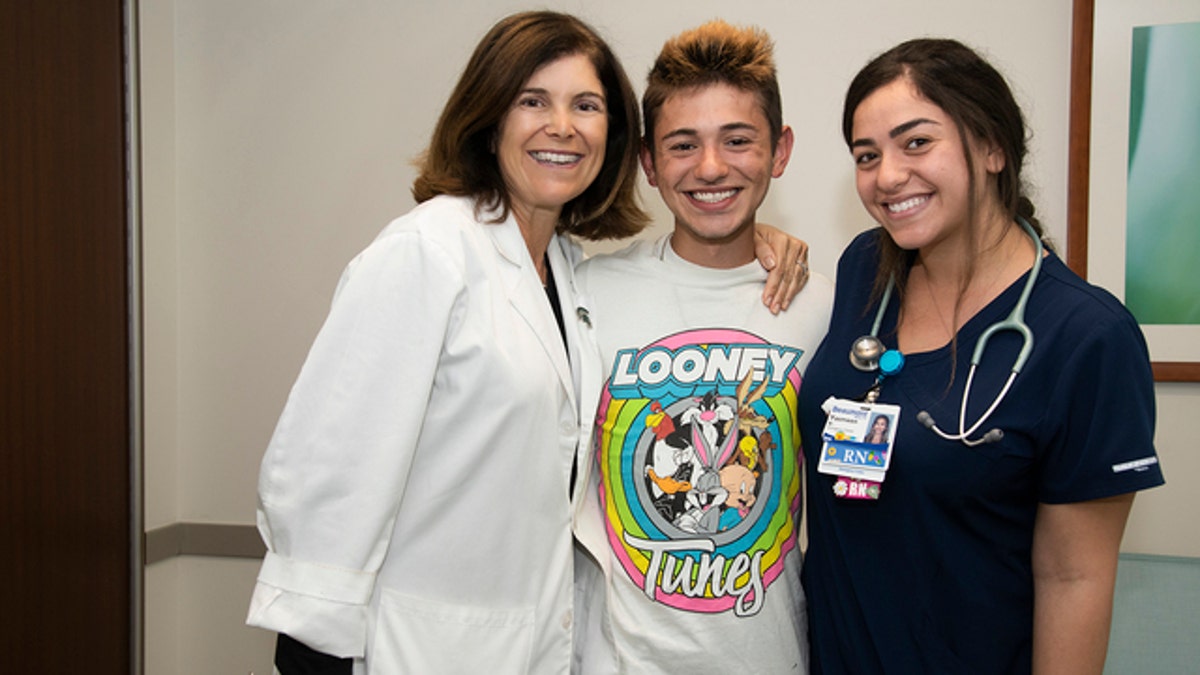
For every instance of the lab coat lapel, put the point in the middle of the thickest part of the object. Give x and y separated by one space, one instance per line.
589 374
564 254
528 298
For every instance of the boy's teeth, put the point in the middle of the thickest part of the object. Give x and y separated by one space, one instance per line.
712 197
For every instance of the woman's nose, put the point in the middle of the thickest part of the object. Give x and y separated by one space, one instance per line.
560 123
893 173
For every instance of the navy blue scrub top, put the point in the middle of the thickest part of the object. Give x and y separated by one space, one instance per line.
935 576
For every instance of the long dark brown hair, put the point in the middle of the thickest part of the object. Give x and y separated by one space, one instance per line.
973 94
460 160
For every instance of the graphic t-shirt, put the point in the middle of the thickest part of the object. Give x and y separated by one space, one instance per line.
698 447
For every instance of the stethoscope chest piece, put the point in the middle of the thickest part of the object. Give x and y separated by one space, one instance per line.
868 355
866 352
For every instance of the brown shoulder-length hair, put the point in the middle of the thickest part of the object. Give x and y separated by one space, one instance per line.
973 94
460 158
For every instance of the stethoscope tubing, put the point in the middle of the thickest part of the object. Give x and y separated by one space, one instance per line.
1015 321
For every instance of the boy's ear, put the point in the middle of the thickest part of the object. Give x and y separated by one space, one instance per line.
783 152
648 164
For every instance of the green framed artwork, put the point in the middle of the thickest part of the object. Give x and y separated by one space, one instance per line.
1134 177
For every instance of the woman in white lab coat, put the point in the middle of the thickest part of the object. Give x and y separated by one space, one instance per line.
416 495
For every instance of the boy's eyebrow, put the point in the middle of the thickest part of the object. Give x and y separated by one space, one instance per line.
738 126
683 131
688 131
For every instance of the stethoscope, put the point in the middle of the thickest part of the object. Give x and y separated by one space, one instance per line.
869 354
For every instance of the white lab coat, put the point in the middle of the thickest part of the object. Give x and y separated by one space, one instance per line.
414 497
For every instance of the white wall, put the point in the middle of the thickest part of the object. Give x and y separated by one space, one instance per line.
278 136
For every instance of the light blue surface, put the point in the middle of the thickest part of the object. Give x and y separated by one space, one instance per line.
1156 616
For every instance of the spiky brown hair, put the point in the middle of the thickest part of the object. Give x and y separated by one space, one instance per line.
713 53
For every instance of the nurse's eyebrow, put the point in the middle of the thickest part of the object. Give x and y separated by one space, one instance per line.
897 131
908 126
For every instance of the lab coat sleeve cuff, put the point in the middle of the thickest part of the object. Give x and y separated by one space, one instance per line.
321 606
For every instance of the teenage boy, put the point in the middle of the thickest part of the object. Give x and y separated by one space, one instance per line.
693 564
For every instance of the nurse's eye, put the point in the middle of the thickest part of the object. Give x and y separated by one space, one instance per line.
865 159
916 143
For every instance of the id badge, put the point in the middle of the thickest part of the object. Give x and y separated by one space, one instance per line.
856 445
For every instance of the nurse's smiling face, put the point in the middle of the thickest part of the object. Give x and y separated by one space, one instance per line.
551 143
911 166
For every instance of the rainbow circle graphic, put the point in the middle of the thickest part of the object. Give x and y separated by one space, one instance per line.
626 438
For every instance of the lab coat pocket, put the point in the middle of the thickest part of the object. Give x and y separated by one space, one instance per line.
418 635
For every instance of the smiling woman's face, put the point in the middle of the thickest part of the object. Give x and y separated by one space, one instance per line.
911 167
552 139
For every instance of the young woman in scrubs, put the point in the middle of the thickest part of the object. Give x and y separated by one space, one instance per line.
416 497
980 547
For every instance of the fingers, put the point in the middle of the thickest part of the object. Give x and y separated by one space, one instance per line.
800 279
796 281
786 260
794 274
763 249
776 279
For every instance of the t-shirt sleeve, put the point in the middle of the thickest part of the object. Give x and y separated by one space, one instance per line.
1102 413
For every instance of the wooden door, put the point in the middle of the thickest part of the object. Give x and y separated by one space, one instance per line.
67 564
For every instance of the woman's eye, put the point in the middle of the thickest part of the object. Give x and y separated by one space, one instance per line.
864 158
916 143
529 102
591 106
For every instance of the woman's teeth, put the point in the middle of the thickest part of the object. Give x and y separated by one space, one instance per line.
556 157
907 204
